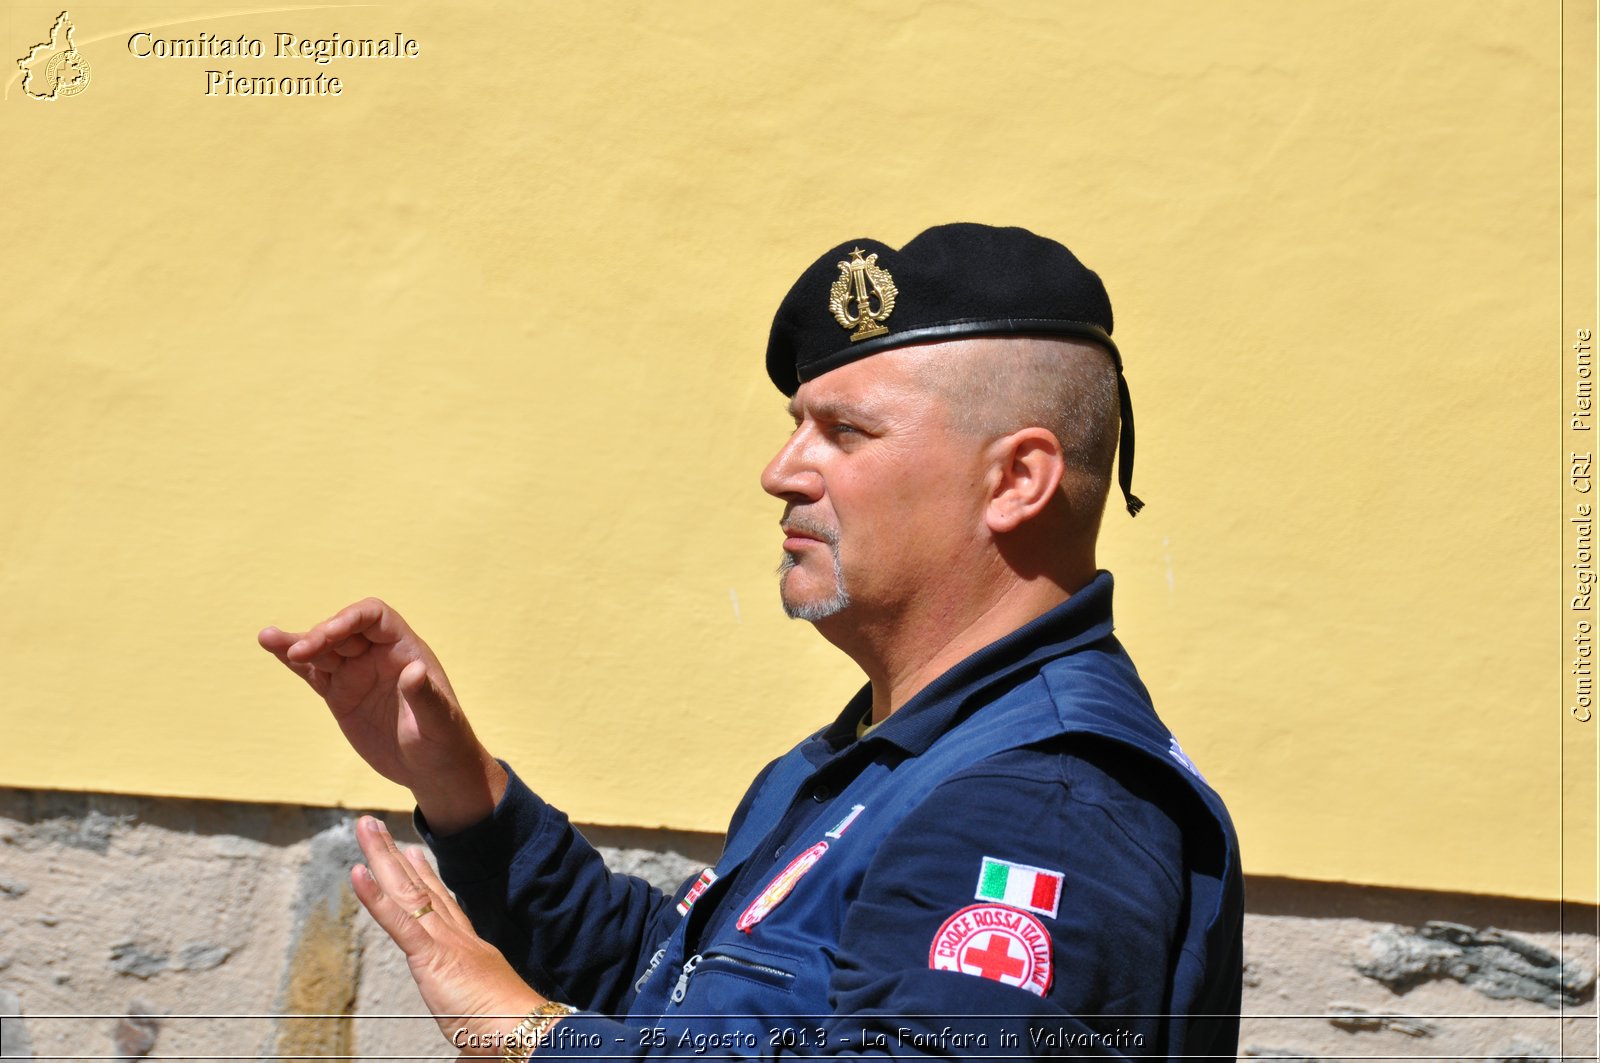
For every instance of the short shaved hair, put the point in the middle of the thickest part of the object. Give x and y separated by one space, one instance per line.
1000 384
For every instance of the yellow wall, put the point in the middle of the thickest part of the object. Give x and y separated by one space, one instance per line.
483 335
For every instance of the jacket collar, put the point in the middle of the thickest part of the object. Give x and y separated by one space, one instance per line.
1081 620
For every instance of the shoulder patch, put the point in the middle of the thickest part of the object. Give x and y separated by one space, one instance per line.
1183 758
1036 889
997 943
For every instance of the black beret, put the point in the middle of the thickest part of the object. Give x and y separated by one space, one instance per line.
950 282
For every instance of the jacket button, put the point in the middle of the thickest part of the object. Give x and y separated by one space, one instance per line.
777 852
820 794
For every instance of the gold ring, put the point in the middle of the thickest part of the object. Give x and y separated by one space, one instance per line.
424 910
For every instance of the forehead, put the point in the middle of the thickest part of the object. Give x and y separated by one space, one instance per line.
886 383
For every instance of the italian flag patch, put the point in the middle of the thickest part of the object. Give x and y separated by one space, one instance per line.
1035 889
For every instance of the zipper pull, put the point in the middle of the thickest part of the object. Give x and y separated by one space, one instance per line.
682 988
655 961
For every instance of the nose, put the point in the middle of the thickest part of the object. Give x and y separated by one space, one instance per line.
789 475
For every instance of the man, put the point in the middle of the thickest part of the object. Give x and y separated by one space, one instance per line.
995 850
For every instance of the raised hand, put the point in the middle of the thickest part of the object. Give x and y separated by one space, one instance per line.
390 697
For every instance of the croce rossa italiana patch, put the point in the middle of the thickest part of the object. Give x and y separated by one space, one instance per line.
995 942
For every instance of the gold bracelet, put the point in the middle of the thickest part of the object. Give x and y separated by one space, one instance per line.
521 1041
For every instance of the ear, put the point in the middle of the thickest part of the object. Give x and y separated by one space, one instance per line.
1027 470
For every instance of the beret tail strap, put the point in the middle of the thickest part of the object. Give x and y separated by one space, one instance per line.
1125 448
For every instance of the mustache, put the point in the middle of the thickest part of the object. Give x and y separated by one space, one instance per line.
802 522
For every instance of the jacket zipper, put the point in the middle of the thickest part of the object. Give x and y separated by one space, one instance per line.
655 961
681 990
682 987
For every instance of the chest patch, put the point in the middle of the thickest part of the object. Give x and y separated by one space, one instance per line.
997 943
844 824
780 887
701 884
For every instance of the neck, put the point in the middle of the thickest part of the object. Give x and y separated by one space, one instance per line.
902 654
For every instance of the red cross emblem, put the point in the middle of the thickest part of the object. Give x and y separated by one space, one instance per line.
995 959
995 942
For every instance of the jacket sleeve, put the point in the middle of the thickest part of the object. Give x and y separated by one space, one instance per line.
538 891
1087 851
913 978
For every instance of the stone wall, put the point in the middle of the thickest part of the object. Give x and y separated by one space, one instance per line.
1341 972
134 927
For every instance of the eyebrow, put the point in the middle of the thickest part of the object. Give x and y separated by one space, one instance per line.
830 410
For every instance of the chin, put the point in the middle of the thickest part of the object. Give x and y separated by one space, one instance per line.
815 611
812 607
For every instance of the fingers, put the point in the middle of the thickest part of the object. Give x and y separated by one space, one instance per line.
277 643
353 646
464 980
370 619
332 658
395 875
423 693
390 888
351 632
402 928
443 902
282 643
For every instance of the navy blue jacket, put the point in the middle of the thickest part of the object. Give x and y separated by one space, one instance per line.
1018 862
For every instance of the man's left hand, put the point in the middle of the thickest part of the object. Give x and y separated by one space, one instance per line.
475 996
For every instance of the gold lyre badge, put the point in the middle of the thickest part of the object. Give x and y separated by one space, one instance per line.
855 276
